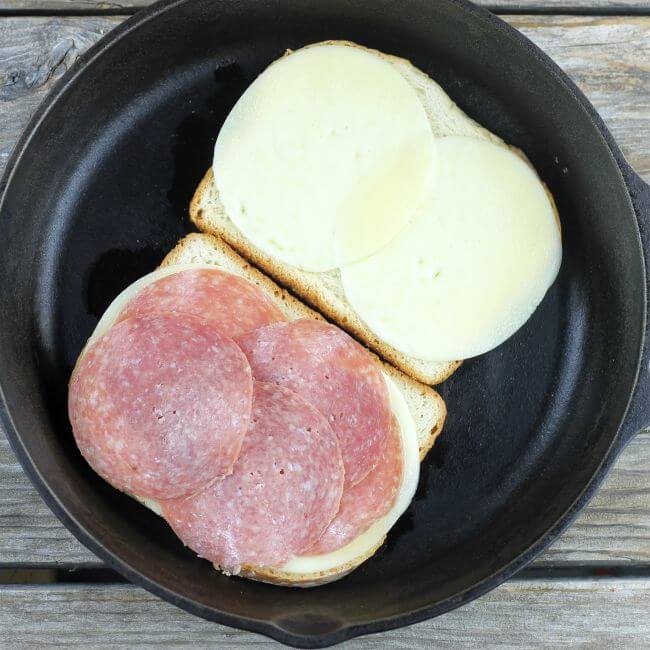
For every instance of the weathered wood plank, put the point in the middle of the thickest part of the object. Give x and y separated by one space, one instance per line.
519 6
55 6
608 57
34 52
614 528
588 613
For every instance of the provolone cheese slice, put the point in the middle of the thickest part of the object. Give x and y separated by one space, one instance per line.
325 158
470 270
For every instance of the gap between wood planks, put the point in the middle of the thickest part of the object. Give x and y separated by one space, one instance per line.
40 574
507 9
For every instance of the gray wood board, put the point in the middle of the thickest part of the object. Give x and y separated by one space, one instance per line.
608 57
519 6
614 528
540 614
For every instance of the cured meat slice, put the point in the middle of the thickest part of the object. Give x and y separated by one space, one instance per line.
285 488
160 405
367 501
335 374
230 303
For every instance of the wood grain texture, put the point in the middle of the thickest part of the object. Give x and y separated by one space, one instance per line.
614 528
608 57
519 6
34 53
585 613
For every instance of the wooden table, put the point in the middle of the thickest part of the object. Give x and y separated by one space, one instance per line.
591 588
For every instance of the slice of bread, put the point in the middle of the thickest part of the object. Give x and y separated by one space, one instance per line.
324 291
426 406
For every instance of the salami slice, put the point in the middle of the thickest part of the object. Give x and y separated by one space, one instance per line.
367 501
160 405
336 375
230 303
284 491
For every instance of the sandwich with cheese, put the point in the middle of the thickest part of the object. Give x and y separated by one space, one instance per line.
351 178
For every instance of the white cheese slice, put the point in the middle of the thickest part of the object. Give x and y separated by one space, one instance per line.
472 267
325 158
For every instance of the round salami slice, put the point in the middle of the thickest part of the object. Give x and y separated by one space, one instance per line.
160 405
367 501
335 374
285 488
230 303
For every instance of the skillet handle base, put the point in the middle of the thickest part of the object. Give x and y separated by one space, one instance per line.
638 415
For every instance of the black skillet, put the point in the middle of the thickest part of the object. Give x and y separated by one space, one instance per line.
96 192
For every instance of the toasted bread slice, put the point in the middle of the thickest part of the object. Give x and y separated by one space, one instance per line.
426 406
324 291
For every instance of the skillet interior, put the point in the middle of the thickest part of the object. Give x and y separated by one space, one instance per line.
100 194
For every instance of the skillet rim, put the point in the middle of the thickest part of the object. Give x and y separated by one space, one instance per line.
268 627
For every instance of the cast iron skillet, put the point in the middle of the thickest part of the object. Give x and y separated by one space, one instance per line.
96 193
